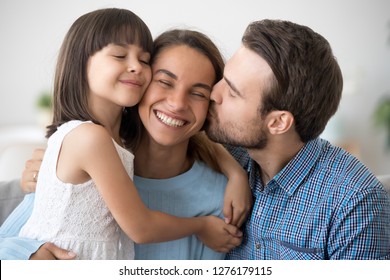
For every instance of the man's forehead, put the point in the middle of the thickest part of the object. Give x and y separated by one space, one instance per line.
247 69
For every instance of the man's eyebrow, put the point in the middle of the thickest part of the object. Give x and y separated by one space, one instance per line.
166 72
232 86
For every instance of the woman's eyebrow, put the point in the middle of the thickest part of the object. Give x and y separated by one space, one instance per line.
173 76
201 85
166 72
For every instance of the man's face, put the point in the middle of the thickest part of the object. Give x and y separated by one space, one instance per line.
234 116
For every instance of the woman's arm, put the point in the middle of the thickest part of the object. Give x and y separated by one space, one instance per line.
238 195
13 247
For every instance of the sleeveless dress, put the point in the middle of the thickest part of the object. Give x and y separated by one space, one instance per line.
75 217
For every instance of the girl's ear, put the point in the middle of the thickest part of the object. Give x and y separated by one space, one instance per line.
279 122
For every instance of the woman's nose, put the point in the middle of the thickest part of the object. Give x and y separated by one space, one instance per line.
178 100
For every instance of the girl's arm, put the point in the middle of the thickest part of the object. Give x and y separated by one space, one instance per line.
89 151
238 195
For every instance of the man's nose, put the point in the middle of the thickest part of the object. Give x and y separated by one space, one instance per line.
216 93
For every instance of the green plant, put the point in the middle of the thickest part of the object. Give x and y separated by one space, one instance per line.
382 116
44 100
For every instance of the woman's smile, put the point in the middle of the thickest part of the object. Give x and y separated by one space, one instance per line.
168 120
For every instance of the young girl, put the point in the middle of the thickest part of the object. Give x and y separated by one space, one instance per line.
84 188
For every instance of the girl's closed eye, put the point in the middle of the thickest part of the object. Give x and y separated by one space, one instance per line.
119 56
145 59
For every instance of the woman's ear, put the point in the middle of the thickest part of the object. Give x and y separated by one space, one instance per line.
279 122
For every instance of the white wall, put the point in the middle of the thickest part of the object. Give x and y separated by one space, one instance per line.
359 31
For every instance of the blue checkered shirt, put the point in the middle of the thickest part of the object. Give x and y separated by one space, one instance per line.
324 204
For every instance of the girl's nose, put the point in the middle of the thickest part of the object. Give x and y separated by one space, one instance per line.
134 65
134 68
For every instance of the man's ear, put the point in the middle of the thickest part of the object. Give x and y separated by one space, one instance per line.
279 122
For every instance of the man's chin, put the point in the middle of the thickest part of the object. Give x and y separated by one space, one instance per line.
213 133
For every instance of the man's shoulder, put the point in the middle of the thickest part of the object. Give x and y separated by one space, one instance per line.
240 154
342 168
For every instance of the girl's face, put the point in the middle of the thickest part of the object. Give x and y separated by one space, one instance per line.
175 105
118 76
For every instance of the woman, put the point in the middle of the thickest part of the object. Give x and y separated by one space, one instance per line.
171 155
170 152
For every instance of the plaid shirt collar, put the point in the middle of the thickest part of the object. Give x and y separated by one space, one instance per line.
293 174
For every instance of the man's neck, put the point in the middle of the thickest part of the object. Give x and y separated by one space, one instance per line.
275 156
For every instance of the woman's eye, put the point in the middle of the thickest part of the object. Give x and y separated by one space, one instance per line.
119 56
200 95
165 83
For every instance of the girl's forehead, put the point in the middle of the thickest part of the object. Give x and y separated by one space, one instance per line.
128 34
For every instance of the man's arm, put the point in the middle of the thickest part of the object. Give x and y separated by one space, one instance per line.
361 229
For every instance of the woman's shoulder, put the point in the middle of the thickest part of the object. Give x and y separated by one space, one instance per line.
203 172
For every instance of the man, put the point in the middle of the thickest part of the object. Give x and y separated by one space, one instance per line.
311 200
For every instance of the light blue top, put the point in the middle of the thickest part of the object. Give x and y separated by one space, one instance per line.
13 247
199 191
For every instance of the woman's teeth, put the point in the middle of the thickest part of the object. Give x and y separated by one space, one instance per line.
168 120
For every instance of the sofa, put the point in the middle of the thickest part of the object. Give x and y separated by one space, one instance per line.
11 195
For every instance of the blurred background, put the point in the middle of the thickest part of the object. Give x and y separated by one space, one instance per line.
31 33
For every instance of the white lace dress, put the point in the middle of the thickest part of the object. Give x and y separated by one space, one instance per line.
75 217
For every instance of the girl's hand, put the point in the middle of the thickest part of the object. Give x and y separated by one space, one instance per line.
218 235
238 199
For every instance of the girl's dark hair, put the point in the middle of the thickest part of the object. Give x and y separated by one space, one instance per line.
307 78
200 147
88 34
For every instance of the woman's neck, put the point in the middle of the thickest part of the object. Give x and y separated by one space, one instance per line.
155 161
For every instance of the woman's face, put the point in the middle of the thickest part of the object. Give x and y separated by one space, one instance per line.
176 102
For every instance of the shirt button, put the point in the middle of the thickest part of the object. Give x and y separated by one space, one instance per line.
258 246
